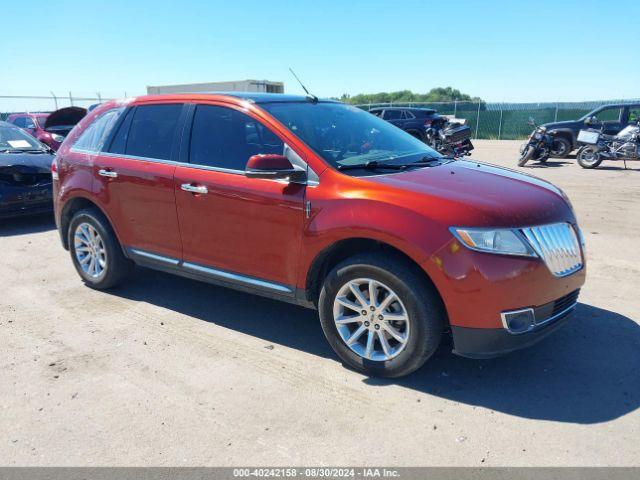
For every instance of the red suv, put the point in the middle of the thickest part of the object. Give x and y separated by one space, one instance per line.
34 124
324 205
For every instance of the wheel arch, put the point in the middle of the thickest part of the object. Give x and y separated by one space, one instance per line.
342 249
73 205
567 134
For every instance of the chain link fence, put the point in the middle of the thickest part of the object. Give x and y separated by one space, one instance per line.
501 121
48 103
505 121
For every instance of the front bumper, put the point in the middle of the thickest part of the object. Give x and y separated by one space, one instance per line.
19 201
492 342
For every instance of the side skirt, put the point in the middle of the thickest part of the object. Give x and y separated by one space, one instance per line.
222 278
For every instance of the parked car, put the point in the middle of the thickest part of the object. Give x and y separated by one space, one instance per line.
63 120
612 118
415 121
321 204
34 123
25 176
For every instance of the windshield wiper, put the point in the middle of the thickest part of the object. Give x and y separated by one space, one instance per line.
374 164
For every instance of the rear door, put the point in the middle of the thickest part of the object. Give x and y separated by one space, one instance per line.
393 116
237 229
134 180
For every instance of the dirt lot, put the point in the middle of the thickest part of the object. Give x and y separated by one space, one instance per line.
168 371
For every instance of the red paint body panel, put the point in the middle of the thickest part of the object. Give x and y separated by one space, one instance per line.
247 226
259 227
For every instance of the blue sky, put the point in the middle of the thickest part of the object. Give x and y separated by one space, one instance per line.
539 50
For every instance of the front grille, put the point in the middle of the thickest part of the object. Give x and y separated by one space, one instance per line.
557 245
553 310
565 302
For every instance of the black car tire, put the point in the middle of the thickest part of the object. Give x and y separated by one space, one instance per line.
117 266
424 309
526 155
561 147
586 156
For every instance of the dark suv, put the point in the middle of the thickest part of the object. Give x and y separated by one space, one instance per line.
614 117
415 121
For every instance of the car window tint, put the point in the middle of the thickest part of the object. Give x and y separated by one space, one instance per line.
609 115
18 121
407 114
226 138
29 123
392 114
153 130
634 114
93 137
120 137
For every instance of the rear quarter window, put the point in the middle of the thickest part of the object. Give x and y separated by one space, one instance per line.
93 138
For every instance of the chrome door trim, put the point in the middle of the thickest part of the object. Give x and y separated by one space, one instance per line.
153 256
236 277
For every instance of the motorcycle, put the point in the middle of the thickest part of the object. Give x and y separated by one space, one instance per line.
538 146
449 137
598 146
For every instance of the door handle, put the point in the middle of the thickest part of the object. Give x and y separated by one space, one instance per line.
107 173
187 187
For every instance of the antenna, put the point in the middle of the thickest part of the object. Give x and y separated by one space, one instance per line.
313 98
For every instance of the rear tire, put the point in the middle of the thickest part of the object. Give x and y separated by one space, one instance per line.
95 250
589 157
399 347
561 147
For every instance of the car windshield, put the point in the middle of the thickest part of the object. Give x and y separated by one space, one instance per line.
344 135
14 139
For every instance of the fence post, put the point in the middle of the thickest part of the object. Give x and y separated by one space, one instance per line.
70 99
99 97
500 123
455 108
55 99
478 120
555 119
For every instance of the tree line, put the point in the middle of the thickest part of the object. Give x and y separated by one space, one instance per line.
439 94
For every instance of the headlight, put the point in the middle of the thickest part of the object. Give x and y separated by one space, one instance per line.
56 137
537 136
504 241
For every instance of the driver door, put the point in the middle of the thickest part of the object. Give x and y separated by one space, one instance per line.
611 119
235 228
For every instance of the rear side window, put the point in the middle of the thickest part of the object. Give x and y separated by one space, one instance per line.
153 130
93 137
392 114
226 138
18 122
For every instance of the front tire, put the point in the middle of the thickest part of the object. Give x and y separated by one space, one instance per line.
561 147
96 252
589 157
526 155
381 316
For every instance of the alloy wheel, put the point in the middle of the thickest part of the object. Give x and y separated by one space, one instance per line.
90 250
371 319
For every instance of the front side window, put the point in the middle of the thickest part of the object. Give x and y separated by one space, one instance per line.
346 135
153 130
226 138
634 115
19 122
93 137
29 123
609 115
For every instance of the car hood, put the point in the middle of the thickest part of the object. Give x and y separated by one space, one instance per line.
63 120
467 193
40 162
564 124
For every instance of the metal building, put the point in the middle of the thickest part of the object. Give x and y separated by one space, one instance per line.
237 86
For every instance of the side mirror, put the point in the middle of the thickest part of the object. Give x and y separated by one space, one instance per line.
273 167
591 120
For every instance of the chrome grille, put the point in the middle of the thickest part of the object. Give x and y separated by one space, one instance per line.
557 245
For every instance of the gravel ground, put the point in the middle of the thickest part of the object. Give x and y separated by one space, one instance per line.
168 371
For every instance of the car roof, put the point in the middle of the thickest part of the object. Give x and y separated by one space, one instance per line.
421 109
254 97
627 104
